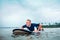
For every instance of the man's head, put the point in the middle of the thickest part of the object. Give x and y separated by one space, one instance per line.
28 22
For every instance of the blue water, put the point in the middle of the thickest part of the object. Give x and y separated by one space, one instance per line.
47 34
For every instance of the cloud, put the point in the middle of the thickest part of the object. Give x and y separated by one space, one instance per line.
13 14
17 11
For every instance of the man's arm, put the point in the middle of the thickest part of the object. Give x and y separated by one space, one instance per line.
35 29
24 28
40 27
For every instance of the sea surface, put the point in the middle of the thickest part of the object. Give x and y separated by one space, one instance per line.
47 34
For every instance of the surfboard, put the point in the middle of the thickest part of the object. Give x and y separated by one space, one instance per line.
21 32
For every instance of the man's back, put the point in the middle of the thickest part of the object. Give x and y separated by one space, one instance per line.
31 28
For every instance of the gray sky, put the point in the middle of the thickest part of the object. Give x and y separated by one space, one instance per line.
15 12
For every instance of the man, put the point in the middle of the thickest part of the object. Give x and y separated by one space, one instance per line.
32 26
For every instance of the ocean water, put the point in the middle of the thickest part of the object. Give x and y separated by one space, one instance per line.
47 34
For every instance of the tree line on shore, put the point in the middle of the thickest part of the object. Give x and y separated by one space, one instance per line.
55 25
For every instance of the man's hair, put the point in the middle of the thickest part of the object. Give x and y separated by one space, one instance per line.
28 20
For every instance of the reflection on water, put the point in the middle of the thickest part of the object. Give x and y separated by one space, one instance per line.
47 34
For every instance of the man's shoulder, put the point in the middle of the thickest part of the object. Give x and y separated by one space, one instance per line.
35 24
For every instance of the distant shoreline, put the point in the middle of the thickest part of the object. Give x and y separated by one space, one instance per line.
18 27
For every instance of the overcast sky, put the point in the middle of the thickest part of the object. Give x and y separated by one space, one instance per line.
15 12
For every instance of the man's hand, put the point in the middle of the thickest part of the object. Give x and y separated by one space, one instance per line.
35 29
40 27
